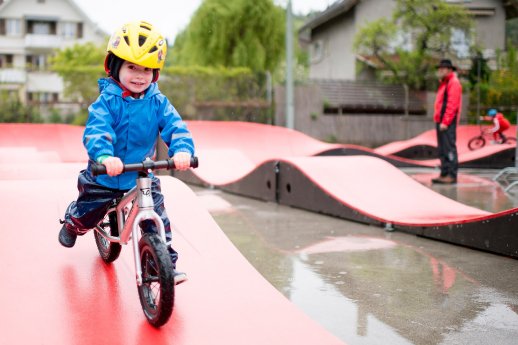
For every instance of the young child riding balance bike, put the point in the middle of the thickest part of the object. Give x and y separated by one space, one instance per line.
122 127
500 125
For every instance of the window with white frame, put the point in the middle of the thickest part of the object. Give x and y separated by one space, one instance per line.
40 28
460 43
37 62
6 60
69 29
42 97
13 27
317 51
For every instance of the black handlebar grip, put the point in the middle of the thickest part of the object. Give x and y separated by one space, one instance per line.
194 162
99 169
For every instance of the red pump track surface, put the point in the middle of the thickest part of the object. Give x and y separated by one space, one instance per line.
55 295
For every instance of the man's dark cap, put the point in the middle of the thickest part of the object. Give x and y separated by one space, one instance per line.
446 63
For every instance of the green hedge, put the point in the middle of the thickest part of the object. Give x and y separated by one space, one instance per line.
12 110
187 88
500 91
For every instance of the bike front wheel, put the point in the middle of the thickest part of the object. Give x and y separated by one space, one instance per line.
108 251
157 290
510 141
476 143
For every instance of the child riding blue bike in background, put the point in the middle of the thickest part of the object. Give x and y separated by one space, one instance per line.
123 125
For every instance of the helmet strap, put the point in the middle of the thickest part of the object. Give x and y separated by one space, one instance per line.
156 74
126 92
112 65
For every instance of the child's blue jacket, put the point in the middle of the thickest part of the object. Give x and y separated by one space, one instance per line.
128 128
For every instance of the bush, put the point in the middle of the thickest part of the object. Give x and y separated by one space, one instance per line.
216 93
500 91
12 110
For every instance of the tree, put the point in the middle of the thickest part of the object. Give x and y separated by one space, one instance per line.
80 66
240 33
501 89
409 43
479 70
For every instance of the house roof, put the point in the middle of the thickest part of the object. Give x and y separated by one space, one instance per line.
343 6
336 9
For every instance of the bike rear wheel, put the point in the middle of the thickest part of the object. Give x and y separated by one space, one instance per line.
108 251
476 143
157 290
510 141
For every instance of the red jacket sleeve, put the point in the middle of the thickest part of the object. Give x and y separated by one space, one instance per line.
454 101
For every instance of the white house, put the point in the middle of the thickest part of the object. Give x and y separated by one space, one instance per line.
30 31
330 34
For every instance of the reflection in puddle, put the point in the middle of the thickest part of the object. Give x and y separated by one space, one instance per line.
477 191
498 319
398 292
368 286
339 314
349 243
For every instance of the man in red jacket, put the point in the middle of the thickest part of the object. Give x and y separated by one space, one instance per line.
448 103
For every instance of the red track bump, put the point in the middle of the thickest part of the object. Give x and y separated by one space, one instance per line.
379 190
260 142
429 138
250 144
246 144
54 295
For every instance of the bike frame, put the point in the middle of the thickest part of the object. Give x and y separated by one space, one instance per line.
142 208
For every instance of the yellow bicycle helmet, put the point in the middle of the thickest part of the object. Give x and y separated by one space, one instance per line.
140 43
136 42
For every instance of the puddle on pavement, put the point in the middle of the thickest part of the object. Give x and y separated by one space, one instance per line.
474 188
364 284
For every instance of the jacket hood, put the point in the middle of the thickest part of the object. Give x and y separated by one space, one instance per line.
110 86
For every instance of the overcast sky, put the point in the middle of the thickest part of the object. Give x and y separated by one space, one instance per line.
170 16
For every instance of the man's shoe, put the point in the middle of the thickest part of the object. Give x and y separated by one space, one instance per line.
179 277
445 180
438 179
67 238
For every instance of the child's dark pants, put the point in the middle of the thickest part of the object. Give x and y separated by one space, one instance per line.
94 201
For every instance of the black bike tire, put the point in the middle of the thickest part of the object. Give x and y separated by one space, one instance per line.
510 140
108 251
152 248
476 143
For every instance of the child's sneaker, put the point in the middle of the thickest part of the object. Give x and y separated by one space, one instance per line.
179 277
67 238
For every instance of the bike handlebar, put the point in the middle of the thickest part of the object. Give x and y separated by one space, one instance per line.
99 169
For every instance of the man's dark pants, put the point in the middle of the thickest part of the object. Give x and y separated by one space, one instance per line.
447 149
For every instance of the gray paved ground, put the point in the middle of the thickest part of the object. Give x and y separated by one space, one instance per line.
368 286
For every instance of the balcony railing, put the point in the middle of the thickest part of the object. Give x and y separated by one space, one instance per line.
13 76
43 41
